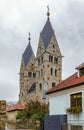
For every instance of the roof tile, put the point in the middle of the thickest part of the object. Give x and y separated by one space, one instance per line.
70 82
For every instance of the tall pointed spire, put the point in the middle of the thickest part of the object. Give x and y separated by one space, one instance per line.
29 38
28 51
48 13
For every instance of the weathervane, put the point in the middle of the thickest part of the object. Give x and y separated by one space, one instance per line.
48 13
29 37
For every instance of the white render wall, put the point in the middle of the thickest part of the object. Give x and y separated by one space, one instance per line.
58 104
60 101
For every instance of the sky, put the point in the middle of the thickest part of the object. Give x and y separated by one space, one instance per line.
19 17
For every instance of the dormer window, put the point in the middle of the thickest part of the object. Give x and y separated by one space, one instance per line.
81 72
80 69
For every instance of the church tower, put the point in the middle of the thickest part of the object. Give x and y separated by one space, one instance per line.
27 72
48 61
38 75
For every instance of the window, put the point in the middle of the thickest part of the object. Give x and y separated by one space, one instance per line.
50 58
40 86
51 71
76 99
41 72
55 60
55 72
34 75
38 61
81 71
29 74
41 59
38 73
53 84
53 46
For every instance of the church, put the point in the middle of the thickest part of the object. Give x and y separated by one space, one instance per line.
40 73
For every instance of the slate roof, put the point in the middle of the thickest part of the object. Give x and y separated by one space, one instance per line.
70 82
47 33
27 54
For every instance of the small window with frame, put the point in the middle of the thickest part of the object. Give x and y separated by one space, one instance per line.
76 99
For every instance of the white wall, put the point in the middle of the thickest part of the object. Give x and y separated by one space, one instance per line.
58 104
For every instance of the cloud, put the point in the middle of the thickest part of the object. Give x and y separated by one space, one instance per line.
19 17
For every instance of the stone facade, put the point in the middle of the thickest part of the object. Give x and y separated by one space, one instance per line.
2 110
41 73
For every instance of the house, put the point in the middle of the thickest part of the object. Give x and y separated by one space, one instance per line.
68 98
39 73
12 111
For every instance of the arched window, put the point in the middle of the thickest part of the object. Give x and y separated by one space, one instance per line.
56 60
41 72
34 74
38 61
55 72
50 58
29 74
51 71
40 86
42 59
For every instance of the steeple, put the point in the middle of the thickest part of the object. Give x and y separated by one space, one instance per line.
48 13
47 31
29 38
28 52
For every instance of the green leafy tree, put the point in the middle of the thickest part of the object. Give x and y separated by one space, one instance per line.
36 110
21 115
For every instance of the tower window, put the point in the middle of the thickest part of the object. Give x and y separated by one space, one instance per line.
29 74
53 46
38 61
34 75
40 86
51 71
53 84
55 60
41 72
38 73
41 59
55 72
50 58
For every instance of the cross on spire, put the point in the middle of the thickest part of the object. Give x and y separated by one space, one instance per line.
48 13
29 38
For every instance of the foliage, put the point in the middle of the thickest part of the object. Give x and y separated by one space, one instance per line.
21 115
74 110
36 110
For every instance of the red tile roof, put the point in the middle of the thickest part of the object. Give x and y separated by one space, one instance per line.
70 82
15 107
